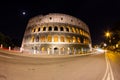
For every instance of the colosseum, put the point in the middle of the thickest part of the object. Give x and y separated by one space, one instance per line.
56 34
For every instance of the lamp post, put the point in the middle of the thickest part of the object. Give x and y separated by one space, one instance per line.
108 38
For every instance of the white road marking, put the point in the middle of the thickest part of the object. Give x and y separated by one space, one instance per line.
108 74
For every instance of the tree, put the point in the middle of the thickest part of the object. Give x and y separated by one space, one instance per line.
5 40
116 33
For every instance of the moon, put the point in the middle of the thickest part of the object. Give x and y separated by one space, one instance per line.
24 13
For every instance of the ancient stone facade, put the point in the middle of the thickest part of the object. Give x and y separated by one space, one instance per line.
56 34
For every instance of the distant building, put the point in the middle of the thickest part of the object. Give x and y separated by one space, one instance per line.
56 34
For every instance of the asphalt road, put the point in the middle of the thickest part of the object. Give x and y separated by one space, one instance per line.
114 59
89 67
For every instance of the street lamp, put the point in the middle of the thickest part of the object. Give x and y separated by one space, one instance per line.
108 34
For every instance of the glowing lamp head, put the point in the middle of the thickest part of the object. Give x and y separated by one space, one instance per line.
107 34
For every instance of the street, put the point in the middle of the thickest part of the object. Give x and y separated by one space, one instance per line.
115 64
88 67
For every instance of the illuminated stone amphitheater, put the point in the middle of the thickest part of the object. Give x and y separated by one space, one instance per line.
56 34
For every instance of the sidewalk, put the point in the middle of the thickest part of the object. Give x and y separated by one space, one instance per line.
17 53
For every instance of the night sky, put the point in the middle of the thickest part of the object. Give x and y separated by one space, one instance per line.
97 14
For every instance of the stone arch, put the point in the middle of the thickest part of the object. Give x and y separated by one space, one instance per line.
50 28
77 30
37 38
62 39
68 50
74 39
38 29
49 38
81 32
68 39
56 50
55 38
62 50
73 30
42 38
67 29
33 30
49 50
55 28
43 50
44 28
61 28
78 40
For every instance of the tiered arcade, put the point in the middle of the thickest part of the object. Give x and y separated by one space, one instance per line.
56 34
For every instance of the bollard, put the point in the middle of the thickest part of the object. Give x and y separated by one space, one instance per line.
1 46
34 52
9 48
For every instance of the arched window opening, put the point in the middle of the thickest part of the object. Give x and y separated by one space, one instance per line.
34 30
77 30
80 32
62 50
55 28
49 38
61 29
44 28
50 28
68 51
83 33
73 30
55 48
37 39
38 29
35 47
88 41
62 39
55 38
84 41
43 49
68 48
73 50
67 29
49 50
78 39
87 35
68 39
42 39
74 39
